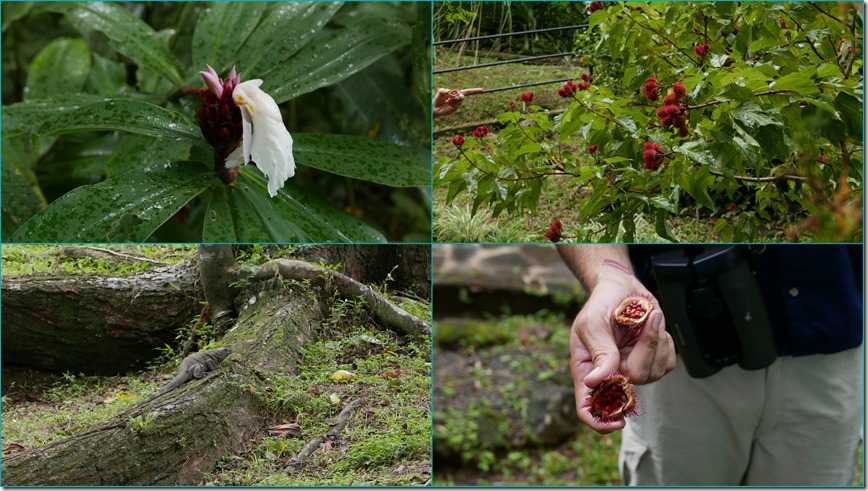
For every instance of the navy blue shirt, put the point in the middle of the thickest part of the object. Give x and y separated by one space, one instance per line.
813 292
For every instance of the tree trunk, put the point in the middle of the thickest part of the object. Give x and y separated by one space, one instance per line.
174 438
94 324
218 272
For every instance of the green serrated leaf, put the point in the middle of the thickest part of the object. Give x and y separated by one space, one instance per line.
61 67
364 158
127 208
850 108
799 82
753 116
698 152
662 227
699 182
333 56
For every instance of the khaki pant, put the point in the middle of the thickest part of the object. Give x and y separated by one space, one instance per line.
796 423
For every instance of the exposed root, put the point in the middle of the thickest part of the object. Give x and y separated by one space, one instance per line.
331 435
383 311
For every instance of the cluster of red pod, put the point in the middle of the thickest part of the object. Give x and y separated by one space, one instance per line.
481 131
651 89
526 97
554 232
458 141
701 49
652 155
673 112
595 6
571 88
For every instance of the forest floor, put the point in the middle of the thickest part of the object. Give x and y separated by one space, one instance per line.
385 443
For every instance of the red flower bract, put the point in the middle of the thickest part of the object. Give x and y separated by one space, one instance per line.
220 121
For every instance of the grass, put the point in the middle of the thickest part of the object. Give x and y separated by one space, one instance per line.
453 222
33 258
387 443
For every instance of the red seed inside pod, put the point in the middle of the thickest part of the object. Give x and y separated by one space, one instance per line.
632 312
613 399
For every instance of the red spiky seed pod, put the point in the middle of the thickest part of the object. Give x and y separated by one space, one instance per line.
613 399
632 312
679 89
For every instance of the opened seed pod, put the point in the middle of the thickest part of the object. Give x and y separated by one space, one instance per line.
632 312
613 399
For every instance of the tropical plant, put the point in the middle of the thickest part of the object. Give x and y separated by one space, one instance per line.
100 140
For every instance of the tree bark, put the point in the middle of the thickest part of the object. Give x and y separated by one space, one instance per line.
218 272
94 324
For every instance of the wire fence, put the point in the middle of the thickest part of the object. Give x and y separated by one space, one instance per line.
506 62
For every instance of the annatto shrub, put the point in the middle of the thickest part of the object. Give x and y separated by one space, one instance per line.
753 94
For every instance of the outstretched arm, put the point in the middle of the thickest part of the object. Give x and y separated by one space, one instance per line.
597 347
448 101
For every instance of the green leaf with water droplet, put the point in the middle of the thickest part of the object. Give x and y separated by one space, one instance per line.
306 211
333 56
127 34
364 158
61 67
240 213
27 116
22 197
137 117
127 208
283 31
220 31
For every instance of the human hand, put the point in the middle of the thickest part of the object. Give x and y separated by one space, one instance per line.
598 348
448 101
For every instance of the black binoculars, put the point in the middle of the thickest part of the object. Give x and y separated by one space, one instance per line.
714 309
